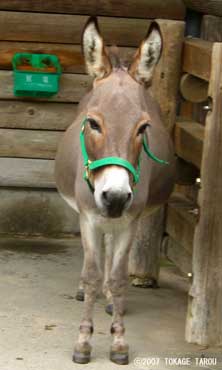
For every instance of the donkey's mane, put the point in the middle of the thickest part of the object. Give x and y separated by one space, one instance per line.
116 61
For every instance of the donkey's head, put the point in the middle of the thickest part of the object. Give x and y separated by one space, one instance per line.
116 114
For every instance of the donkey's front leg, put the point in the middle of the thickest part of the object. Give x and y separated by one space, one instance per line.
92 278
118 286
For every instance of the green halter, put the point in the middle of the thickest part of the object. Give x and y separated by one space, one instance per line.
92 165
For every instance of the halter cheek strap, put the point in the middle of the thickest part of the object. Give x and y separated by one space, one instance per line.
93 165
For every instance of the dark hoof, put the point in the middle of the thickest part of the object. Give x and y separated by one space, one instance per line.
81 357
80 295
120 358
109 309
145 283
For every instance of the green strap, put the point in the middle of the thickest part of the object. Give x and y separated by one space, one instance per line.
116 161
92 165
150 154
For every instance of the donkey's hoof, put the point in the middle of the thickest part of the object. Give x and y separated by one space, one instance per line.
80 295
109 309
120 358
81 357
145 283
82 353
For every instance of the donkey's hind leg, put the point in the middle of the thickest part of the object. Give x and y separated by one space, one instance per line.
92 278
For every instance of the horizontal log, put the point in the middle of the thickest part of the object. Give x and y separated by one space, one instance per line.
29 173
197 57
29 143
171 9
70 56
72 87
193 88
36 213
213 7
181 221
36 115
179 256
67 29
189 137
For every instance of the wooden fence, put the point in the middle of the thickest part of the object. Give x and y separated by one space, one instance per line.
30 129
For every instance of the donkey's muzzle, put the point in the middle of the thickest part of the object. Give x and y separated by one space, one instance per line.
115 202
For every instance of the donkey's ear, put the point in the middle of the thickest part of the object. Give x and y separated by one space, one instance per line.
147 56
96 59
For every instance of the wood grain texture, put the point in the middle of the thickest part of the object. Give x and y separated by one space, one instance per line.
181 221
189 137
31 173
36 115
67 29
213 7
179 256
29 143
167 74
204 320
145 252
70 56
171 9
211 28
72 88
36 213
197 57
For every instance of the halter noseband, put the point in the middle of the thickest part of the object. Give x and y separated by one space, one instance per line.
93 165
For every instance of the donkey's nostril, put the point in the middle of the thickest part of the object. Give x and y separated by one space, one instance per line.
111 198
105 195
129 195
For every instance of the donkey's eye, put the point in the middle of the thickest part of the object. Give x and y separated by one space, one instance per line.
94 125
142 128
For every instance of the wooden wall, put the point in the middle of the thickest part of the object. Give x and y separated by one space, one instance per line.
30 129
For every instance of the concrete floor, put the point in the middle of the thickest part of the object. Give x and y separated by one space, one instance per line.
39 316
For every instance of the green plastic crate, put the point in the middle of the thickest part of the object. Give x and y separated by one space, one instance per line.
34 80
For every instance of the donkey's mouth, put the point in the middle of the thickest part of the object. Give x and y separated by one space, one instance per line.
114 213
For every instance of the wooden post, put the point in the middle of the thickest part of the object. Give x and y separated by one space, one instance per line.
204 319
144 256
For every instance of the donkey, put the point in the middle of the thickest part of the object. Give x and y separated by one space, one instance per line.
114 162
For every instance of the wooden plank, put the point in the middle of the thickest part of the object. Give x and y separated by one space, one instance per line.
29 173
204 320
179 256
36 115
213 7
35 213
72 88
211 28
70 56
189 137
197 57
67 29
168 72
29 143
181 221
171 9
